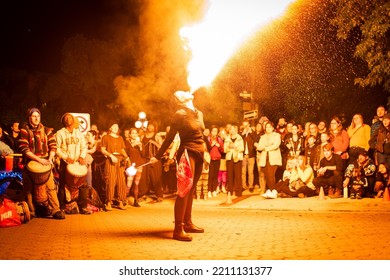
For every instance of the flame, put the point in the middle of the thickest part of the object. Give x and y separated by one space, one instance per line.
225 27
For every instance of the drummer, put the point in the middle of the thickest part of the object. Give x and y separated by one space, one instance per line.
72 147
37 143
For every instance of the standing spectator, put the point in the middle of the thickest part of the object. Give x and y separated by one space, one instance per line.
259 178
188 122
215 148
321 126
330 173
151 142
13 138
382 140
248 162
339 140
313 130
376 123
294 143
72 148
37 143
311 151
234 148
359 136
114 148
270 157
202 185
133 148
325 139
222 172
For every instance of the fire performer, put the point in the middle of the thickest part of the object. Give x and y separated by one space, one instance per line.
188 122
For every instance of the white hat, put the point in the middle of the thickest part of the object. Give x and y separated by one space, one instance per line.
183 96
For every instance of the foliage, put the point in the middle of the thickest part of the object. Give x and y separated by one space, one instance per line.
370 19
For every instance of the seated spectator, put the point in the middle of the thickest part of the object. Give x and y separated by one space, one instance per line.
5 150
367 168
357 184
330 173
301 181
381 180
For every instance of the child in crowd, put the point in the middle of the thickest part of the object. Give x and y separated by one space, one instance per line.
202 185
357 184
311 152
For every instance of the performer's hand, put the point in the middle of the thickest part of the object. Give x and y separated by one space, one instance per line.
82 161
153 160
69 160
44 161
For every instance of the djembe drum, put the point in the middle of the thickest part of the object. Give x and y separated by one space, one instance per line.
39 174
76 175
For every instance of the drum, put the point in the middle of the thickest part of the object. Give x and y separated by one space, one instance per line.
39 173
76 175
23 211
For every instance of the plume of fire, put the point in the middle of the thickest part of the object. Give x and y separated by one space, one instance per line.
226 25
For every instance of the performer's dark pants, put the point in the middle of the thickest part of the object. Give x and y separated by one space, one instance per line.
183 205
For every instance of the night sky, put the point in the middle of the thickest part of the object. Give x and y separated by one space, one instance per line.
33 31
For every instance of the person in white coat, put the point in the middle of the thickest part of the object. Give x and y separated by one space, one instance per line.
270 155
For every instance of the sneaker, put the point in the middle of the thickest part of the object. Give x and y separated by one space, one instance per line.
59 215
209 195
224 189
266 194
358 196
214 194
218 190
274 194
352 196
108 206
121 206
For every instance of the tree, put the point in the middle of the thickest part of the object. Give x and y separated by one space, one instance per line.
369 20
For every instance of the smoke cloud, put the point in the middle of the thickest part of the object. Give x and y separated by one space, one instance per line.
160 58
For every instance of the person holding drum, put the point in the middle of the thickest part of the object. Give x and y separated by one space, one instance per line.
38 147
72 150
114 148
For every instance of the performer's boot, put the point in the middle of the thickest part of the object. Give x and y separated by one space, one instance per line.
180 234
191 228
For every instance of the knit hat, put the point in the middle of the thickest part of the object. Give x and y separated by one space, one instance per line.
30 111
